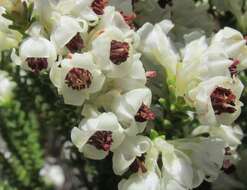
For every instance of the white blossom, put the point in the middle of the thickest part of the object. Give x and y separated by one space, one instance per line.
6 87
76 78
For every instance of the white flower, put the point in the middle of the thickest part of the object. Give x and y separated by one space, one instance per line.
76 78
131 148
175 164
135 78
53 174
36 53
155 44
234 44
231 135
200 63
217 100
6 87
187 162
8 38
133 110
118 55
98 135
147 181
69 32
206 155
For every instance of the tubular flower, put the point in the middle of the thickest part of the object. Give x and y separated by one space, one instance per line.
126 154
96 136
231 135
217 100
133 110
234 44
77 78
69 32
156 45
36 53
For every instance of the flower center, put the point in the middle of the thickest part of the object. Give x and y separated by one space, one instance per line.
75 44
78 79
144 114
119 52
223 101
129 19
98 6
138 165
102 140
233 68
37 64
163 3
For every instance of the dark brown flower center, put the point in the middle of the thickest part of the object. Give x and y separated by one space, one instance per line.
119 52
144 114
75 44
37 64
78 79
233 68
102 140
223 101
164 3
129 19
98 6
138 165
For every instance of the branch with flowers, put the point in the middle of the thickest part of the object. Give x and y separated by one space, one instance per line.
130 90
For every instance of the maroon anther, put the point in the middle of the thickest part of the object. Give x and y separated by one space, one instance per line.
138 165
144 114
233 68
228 151
223 101
75 44
102 140
37 64
119 52
78 79
98 6
129 19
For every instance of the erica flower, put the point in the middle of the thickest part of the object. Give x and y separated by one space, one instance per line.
77 78
133 110
234 44
117 58
147 181
36 53
98 135
217 100
231 135
157 46
129 154
6 87
68 32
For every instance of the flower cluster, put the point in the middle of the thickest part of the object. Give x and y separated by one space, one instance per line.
92 53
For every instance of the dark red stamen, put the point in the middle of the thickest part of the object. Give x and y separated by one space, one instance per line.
119 52
98 6
78 79
138 165
102 140
37 64
233 68
223 101
144 114
129 19
75 44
